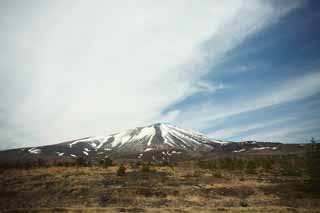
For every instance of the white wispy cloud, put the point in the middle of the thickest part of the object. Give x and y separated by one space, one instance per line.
200 116
227 133
296 129
78 68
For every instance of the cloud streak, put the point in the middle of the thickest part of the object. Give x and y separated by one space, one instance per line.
75 68
290 90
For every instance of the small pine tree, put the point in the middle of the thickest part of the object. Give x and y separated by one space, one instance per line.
251 167
80 162
105 162
121 171
312 170
243 203
145 168
41 163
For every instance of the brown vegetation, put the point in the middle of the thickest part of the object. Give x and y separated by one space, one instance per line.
277 183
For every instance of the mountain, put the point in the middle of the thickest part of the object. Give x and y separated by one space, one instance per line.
154 137
157 142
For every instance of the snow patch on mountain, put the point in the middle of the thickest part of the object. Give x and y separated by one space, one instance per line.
148 132
60 153
264 148
157 136
240 150
34 151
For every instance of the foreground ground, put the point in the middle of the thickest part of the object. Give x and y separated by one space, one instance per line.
192 186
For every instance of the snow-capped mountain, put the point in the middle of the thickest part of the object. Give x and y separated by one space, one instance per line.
158 136
157 142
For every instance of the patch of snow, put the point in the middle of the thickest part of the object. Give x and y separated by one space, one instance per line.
220 142
240 150
147 149
263 148
183 136
93 140
140 155
175 152
102 140
163 153
258 148
107 149
153 158
34 151
194 134
146 132
166 136
121 138
189 132
72 155
86 153
87 150
80 140
60 153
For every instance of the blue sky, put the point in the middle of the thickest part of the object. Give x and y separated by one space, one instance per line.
284 51
230 69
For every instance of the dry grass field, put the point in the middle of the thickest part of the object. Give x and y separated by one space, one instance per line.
191 186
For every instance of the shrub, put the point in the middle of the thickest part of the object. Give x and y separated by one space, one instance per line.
167 164
313 170
267 164
226 163
105 162
138 163
23 164
289 167
145 168
243 203
64 163
121 171
41 163
79 162
217 174
251 167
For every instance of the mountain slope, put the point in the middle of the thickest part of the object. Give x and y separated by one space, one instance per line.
154 137
157 142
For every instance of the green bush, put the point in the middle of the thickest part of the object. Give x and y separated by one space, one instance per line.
80 162
166 164
251 166
145 168
243 203
40 163
107 162
217 174
267 164
226 163
313 170
121 171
